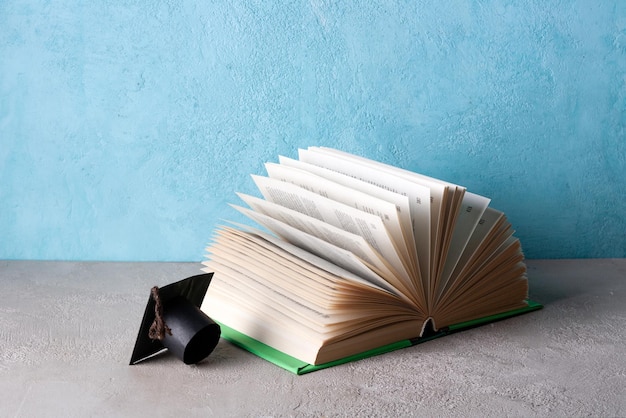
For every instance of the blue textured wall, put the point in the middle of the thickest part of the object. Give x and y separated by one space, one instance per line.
126 126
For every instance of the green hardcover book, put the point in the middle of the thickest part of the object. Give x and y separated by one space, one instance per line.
358 258
301 367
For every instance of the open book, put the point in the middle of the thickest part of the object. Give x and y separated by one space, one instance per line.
356 258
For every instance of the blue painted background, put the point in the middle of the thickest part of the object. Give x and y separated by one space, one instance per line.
126 126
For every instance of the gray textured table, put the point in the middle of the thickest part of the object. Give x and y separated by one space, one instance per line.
67 330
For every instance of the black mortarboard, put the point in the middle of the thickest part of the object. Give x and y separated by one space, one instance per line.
173 320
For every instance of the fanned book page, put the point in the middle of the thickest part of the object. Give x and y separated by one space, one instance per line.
353 258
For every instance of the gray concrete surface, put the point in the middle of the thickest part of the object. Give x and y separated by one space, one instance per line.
67 330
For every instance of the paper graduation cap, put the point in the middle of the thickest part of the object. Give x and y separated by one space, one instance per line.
173 320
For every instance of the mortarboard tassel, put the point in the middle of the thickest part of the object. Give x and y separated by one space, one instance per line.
159 327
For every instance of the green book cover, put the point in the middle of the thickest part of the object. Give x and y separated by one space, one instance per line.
300 367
